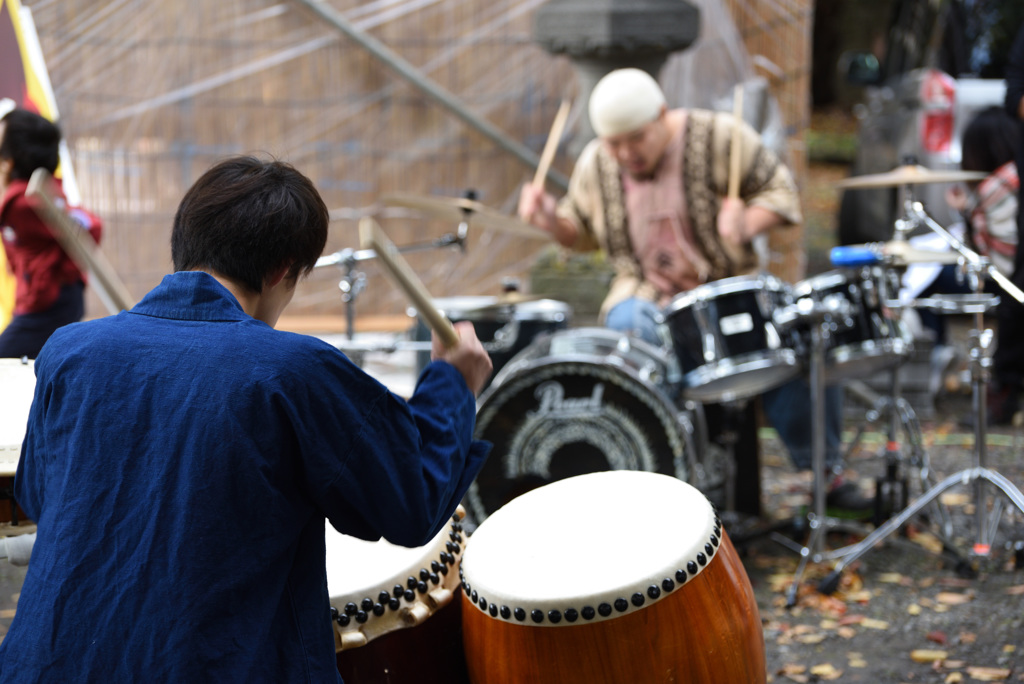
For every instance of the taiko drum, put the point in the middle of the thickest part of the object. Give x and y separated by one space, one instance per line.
618 576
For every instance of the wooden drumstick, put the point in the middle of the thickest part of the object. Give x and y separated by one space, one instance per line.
372 237
78 244
734 153
548 155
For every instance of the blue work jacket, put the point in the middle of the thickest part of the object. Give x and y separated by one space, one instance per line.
180 460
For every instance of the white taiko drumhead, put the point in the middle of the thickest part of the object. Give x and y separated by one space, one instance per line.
590 548
379 587
17 385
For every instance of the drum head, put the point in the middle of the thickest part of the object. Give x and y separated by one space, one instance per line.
18 381
373 586
554 417
579 563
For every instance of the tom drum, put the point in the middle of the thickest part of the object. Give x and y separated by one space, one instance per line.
727 342
504 329
869 337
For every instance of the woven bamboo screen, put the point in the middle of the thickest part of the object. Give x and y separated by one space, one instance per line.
779 31
152 93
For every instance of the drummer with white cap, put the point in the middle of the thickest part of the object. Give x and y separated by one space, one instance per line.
651 193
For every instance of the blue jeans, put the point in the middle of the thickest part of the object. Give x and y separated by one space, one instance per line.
787 407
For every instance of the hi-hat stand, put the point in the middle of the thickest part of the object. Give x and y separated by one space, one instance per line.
979 474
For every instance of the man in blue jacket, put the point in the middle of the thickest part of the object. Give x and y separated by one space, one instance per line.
181 458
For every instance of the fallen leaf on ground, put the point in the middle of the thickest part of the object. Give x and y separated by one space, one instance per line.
929 541
826 671
937 636
951 598
925 655
871 623
954 499
988 674
1016 590
856 660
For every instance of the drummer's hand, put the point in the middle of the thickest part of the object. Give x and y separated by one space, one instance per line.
731 224
956 197
537 207
468 356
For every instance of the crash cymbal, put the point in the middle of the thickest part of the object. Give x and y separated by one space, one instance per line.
909 175
457 209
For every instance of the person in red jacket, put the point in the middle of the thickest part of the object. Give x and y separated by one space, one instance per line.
49 292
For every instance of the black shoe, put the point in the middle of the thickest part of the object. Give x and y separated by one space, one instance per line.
846 501
1003 403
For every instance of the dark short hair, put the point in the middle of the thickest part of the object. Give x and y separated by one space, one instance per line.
246 217
989 141
31 142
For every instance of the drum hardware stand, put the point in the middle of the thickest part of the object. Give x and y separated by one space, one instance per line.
892 489
978 474
353 282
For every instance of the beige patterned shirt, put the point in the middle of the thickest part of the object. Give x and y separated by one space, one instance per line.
596 204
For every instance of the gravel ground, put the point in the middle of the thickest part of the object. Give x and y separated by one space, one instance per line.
907 610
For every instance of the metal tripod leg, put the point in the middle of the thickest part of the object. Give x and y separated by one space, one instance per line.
817 519
977 475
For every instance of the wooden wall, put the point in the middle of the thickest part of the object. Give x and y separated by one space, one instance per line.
151 93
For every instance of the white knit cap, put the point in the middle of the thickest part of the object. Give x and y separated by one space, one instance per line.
623 101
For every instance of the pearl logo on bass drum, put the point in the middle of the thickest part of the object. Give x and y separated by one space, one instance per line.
553 403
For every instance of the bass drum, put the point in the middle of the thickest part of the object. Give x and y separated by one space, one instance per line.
579 401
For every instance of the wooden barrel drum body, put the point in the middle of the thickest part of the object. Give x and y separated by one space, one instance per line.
615 576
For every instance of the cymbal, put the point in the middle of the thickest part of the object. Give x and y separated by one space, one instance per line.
909 175
900 252
508 299
456 209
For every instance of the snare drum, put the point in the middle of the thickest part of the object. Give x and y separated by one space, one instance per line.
869 338
394 618
578 401
608 577
504 330
728 346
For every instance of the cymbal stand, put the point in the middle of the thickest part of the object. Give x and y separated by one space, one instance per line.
354 282
812 551
979 473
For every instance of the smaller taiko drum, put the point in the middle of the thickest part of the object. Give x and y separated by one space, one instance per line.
17 387
614 576
394 618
